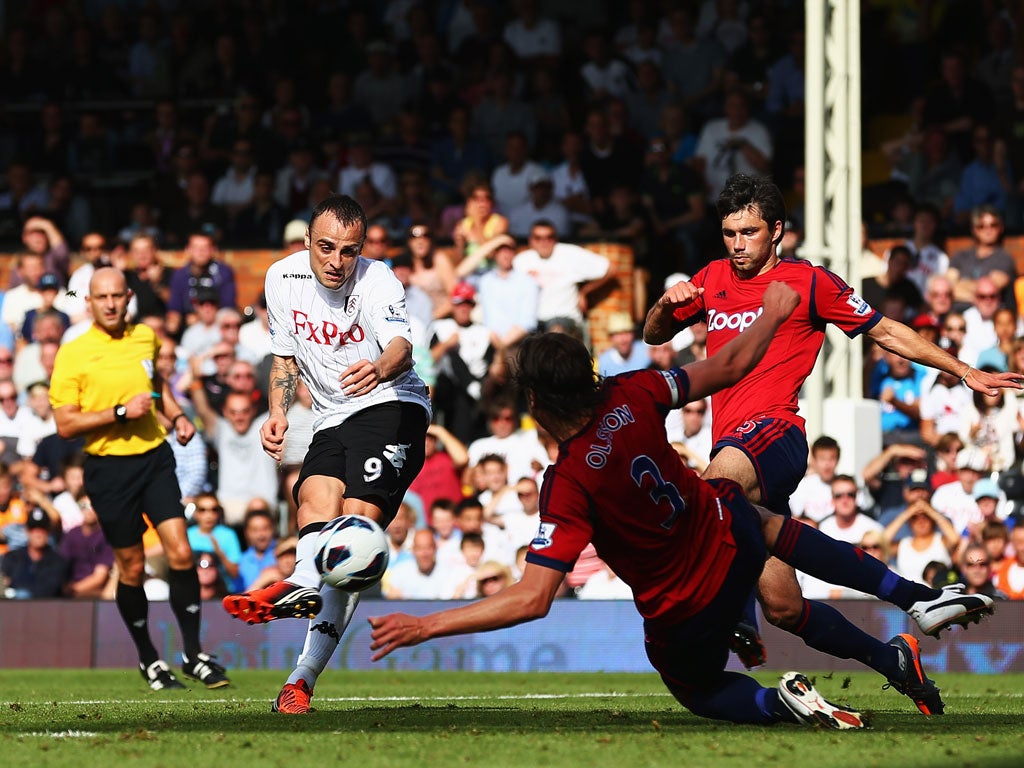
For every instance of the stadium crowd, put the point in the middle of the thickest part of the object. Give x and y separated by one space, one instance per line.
486 142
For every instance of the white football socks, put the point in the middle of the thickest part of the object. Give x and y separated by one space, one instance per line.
324 634
305 573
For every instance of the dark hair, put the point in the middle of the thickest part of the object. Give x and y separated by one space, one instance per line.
470 502
742 192
824 443
844 479
471 538
259 512
558 371
343 208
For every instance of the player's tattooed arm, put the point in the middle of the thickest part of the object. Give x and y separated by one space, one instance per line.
284 379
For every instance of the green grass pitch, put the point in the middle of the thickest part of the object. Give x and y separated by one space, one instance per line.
108 718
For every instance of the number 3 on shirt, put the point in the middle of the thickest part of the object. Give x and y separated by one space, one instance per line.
644 465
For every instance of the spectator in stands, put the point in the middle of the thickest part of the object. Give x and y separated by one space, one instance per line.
380 88
895 281
1009 576
568 275
929 258
25 296
14 418
432 269
956 500
203 332
258 527
606 159
88 555
470 516
446 458
812 499
933 172
521 525
245 471
731 144
362 166
932 538
481 224
985 180
294 181
957 102
498 495
1004 324
209 534
979 319
283 567
420 578
14 510
942 401
260 223
234 190
900 394
977 573
990 423
626 352
510 180
847 522
148 278
23 198
37 569
886 475
938 296
673 198
541 206
985 258
193 212
457 154
202 270
469 363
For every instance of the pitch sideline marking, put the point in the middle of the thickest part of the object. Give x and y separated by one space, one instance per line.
499 697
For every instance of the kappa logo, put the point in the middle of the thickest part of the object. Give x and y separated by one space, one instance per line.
326 628
396 454
193 608
296 276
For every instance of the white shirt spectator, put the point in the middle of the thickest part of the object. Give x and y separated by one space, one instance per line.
511 188
852 534
542 39
604 585
910 563
381 176
245 470
614 78
713 146
980 335
812 499
943 405
232 189
559 277
522 218
957 504
412 584
520 450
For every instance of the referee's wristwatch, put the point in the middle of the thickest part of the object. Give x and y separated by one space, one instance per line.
120 414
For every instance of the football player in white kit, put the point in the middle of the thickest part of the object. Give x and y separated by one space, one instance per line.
338 321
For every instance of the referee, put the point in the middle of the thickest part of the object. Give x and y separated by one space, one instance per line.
104 387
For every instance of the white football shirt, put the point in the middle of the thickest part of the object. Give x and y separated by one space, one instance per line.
326 331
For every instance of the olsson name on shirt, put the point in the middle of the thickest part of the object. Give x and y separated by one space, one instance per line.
612 422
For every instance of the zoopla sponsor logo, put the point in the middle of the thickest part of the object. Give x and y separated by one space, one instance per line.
736 321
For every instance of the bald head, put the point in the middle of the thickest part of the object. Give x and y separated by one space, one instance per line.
108 300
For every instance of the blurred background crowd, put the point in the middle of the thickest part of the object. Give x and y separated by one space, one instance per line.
488 141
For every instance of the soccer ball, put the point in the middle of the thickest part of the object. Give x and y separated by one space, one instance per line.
351 553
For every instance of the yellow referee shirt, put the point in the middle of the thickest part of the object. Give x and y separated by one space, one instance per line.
96 372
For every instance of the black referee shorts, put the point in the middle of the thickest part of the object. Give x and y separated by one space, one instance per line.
121 488
376 453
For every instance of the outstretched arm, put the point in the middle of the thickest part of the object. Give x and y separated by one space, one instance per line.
527 599
906 342
737 358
